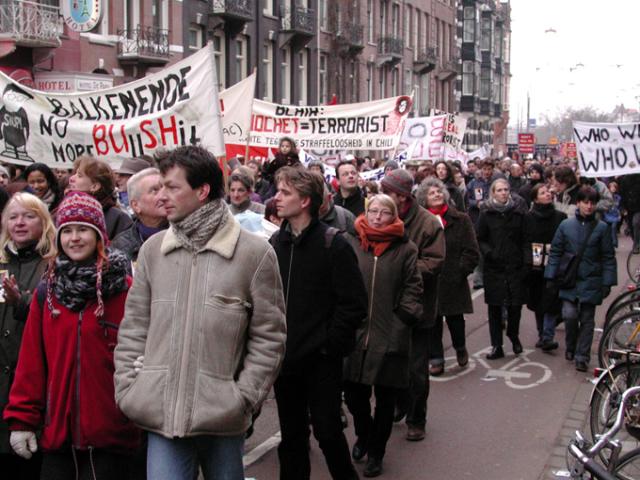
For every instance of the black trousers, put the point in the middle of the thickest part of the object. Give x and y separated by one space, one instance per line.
374 431
456 330
13 466
85 465
495 323
313 394
413 400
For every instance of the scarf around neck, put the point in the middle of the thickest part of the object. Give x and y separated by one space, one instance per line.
440 211
378 239
75 284
492 204
195 230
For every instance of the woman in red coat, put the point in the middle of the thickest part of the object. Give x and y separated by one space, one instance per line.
64 378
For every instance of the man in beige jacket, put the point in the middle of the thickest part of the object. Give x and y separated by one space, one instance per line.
204 329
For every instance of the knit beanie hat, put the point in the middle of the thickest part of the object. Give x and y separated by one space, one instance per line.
391 164
81 208
398 181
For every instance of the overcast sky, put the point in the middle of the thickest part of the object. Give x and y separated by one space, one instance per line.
603 36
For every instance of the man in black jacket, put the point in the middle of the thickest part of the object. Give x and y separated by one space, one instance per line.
630 193
325 303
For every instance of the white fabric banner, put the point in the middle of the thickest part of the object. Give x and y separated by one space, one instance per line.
607 149
454 130
427 133
373 125
160 111
236 106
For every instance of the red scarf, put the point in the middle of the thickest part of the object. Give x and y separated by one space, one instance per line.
378 239
440 212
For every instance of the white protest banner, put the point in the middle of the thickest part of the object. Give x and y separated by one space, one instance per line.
453 135
427 134
607 149
160 111
236 108
481 153
373 125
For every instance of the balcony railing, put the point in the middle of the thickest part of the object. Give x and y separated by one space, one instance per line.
30 24
146 44
390 46
427 55
236 9
298 19
352 34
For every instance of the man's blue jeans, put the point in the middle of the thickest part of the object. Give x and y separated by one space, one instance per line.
549 326
579 323
178 459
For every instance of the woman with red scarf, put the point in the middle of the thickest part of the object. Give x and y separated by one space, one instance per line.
454 297
380 361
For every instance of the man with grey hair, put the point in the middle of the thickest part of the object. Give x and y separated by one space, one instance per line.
143 190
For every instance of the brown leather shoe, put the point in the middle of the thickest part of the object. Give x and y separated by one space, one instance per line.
415 434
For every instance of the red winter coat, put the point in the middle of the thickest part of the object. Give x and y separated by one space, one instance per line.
64 379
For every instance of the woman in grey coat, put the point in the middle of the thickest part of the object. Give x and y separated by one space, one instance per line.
380 361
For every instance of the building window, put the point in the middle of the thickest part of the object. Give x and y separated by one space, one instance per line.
469 25
395 20
268 7
407 82
323 87
131 14
285 76
303 59
370 22
417 43
467 78
395 80
160 14
353 81
324 18
219 53
486 31
382 82
497 48
196 36
370 71
383 18
267 72
485 83
408 37
424 94
241 58
103 26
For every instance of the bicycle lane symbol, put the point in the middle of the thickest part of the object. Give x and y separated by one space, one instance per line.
520 373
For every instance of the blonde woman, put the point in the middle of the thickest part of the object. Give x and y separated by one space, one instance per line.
27 242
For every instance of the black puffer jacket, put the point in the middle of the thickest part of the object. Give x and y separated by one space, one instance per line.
325 297
500 236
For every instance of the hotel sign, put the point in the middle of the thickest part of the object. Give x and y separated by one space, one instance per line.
81 15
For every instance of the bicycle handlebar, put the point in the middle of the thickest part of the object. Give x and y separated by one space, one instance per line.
605 437
590 464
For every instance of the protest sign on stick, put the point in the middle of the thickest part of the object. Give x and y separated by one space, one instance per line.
607 149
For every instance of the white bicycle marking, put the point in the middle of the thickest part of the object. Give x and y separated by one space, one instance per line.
520 373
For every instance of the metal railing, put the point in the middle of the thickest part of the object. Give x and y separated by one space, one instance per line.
351 33
234 8
297 19
427 55
390 46
143 42
31 23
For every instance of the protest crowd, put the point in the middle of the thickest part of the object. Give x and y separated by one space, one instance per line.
148 311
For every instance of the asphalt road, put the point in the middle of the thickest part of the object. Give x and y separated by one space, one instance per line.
494 420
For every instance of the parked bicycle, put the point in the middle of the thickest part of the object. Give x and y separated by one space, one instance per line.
581 460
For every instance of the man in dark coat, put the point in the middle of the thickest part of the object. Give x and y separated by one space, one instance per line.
143 191
425 230
326 302
597 273
630 193
348 195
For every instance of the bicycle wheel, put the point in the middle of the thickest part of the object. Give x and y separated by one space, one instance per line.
621 334
630 305
628 466
633 266
605 402
623 297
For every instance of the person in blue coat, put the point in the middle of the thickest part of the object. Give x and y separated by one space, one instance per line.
597 273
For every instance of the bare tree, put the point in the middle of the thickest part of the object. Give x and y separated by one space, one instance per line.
561 126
